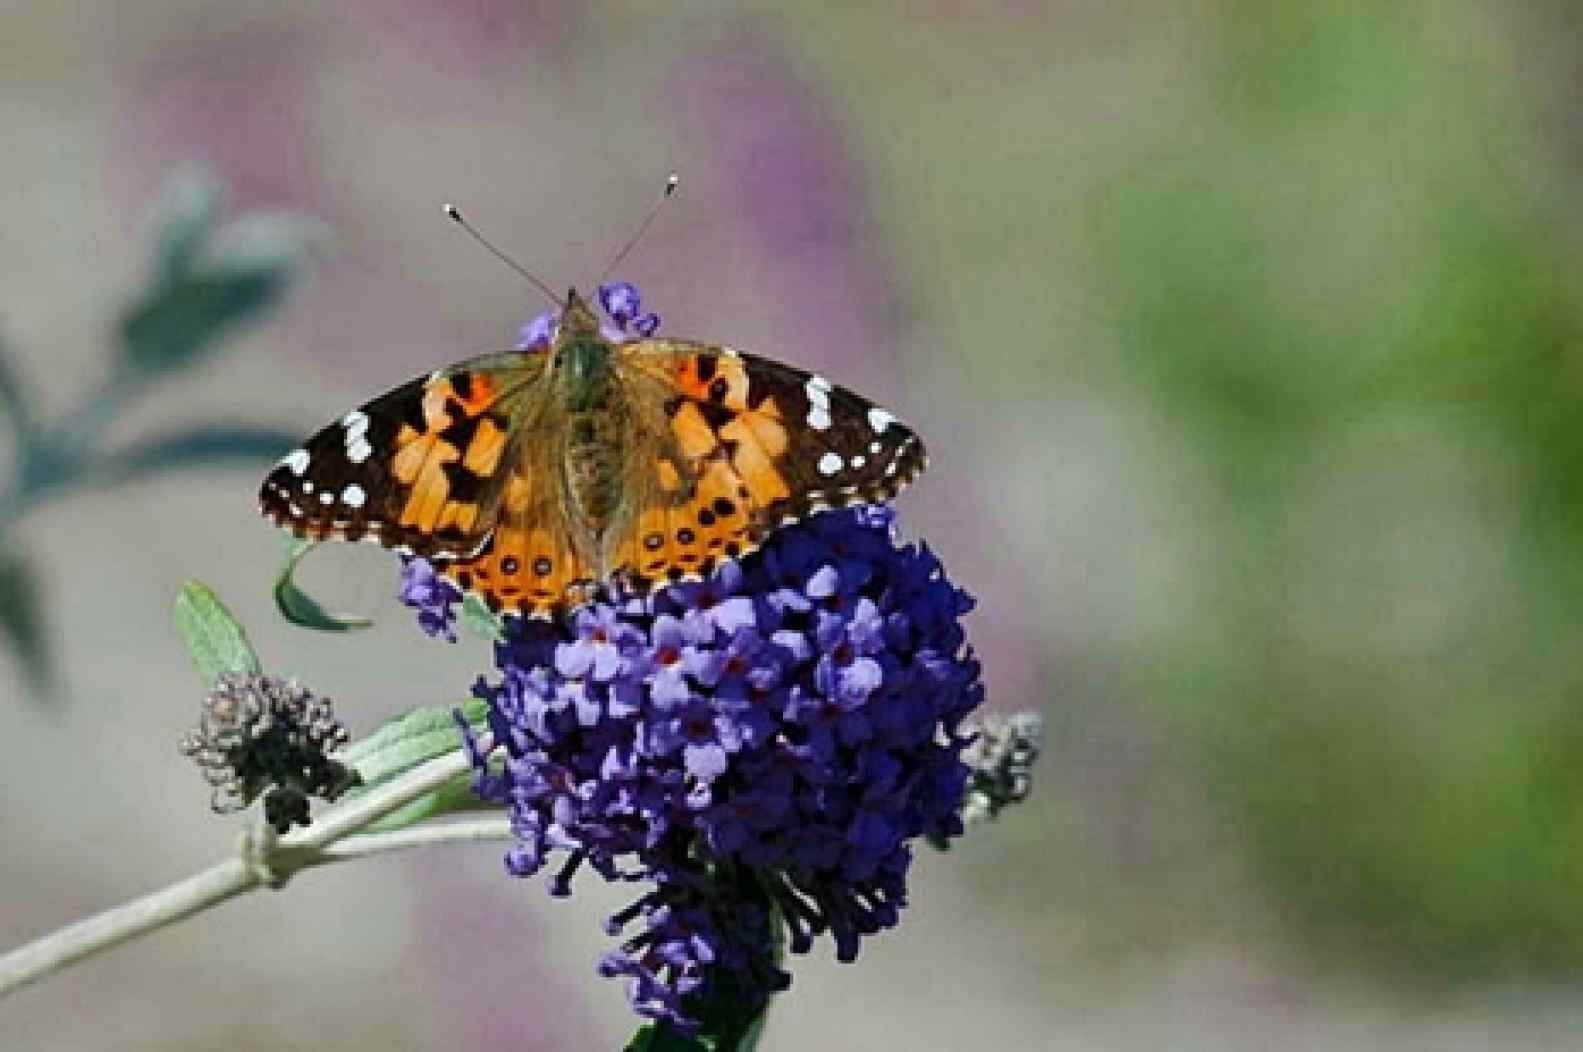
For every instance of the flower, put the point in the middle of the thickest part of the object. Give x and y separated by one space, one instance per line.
432 596
805 743
1000 763
621 302
261 734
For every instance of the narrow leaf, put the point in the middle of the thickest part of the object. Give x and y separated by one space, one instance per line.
176 324
412 738
22 622
299 607
217 643
480 620
408 741
203 444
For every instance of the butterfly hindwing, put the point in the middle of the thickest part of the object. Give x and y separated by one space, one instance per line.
531 564
414 469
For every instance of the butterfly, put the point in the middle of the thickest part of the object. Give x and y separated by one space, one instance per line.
531 477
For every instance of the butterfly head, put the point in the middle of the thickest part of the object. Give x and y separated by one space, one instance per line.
578 320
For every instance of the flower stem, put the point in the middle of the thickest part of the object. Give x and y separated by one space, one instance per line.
262 860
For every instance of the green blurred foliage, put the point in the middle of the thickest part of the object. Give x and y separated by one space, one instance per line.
1349 291
207 279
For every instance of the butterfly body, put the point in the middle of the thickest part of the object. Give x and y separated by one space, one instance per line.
528 477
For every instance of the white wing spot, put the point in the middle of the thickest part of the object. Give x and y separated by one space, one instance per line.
831 463
818 391
297 460
858 461
359 450
879 419
307 485
819 418
876 446
326 497
353 496
355 422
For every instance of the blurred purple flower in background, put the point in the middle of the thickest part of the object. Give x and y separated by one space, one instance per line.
782 166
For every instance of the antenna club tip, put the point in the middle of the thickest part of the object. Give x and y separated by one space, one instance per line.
454 212
672 181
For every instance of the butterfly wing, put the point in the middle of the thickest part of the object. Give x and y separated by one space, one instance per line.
418 469
536 562
732 446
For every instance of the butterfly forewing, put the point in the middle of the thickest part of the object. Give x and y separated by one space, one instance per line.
416 469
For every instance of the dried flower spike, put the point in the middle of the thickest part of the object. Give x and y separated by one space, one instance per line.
264 735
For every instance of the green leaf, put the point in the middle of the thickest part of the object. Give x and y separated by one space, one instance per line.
176 324
403 742
662 1037
408 741
217 643
299 607
14 400
203 444
207 280
22 622
480 620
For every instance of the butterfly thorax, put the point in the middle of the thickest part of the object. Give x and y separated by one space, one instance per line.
584 384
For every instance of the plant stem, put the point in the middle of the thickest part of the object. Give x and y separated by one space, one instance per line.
261 861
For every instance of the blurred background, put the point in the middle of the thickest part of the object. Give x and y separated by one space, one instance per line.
1246 339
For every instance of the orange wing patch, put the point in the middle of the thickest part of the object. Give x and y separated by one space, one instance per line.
443 465
523 571
685 537
528 567
716 492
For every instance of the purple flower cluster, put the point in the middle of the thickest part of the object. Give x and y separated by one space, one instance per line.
761 746
432 596
795 716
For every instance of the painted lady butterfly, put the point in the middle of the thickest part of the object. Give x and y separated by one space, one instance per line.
528 477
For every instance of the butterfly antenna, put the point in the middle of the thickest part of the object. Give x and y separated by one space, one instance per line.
672 181
456 216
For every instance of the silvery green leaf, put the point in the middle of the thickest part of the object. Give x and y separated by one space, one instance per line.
408 741
217 643
190 202
195 446
302 609
175 324
264 240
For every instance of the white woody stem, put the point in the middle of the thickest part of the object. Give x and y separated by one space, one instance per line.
261 861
